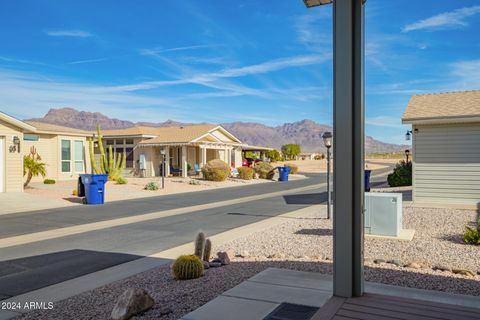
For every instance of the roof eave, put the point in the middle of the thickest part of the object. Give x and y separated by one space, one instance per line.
442 120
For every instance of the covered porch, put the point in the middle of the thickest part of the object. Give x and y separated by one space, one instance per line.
181 159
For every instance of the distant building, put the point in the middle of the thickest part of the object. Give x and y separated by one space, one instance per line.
307 156
446 147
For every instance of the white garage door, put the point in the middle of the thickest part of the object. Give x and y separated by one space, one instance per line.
2 164
447 164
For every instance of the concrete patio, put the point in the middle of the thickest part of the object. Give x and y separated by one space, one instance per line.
260 295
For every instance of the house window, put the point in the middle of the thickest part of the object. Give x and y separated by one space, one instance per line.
79 156
31 137
129 141
66 156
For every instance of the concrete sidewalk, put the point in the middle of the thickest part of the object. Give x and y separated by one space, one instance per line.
16 202
260 295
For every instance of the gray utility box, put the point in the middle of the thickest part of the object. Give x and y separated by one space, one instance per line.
383 213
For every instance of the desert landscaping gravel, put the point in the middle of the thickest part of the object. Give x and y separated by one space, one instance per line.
301 243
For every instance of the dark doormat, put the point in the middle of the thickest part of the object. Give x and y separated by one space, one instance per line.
290 311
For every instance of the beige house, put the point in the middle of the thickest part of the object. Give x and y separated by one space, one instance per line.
186 148
62 149
446 148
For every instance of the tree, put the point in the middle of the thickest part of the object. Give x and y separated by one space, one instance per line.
274 155
32 166
291 150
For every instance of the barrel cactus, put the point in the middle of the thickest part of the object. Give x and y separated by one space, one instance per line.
199 245
187 267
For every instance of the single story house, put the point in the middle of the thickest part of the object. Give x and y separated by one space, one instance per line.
446 148
62 149
307 156
185 147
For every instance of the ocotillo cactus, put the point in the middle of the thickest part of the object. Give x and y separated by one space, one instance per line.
208 250
111 166
199 245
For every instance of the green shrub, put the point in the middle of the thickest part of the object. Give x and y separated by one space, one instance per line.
121 180
264 170
216 170
472 235
401 176
187 267
293 168
151 186
245 173
49 181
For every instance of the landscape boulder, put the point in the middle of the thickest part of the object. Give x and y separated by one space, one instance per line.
224 257
131 302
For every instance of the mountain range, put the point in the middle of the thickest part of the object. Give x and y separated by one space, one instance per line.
306 132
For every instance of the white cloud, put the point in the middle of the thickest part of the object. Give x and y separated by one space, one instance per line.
384 121
452 19
156 51
69 33
88 61
207 78
466 74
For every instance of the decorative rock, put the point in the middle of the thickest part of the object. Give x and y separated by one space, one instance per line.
275 176
442 268
243 254
215 264
224 257
462 272
131 302
206 265
276 256
413 265
396 262
216 260
378 261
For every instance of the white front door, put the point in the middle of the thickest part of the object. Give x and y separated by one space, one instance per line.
2 164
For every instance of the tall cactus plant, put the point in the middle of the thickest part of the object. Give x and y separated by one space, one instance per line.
113 166
199 245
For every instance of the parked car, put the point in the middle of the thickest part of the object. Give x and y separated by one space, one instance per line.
247 162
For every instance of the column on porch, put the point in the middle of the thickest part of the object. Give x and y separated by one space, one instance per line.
167 161
184 162
203 156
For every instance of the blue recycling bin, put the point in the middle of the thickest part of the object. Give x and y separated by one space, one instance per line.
283 173
367 180
94 185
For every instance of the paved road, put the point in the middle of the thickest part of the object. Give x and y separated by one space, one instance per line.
40 263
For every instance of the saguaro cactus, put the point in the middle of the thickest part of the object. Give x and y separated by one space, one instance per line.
113 166
208 250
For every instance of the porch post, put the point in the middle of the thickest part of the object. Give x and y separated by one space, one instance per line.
167 161
203 156
348 140
184 162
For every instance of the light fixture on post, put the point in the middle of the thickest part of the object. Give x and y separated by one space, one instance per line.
408 135
407 153
16 142
316 3
163 153
327 141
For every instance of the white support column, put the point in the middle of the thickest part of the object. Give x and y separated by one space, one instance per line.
184 161
203 156
348 139
167 161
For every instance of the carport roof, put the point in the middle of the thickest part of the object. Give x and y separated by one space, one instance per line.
462 106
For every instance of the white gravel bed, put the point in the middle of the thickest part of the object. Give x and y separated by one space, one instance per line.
437 240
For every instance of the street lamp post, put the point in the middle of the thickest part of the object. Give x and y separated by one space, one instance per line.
407 153
327 141
163 152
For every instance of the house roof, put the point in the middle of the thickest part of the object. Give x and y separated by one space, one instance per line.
438 107
132 131
15 122
42 127
185 134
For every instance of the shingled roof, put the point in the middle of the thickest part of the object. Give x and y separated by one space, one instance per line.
43 127
443 106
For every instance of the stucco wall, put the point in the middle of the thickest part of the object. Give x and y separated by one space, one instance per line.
13 161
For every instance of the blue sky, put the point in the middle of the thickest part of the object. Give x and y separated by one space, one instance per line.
219 61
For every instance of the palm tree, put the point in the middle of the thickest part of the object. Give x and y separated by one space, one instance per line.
32 166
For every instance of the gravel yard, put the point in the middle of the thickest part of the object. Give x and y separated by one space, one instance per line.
305 244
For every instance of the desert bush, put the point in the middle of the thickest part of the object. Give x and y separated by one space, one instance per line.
49 181
401 176
216 170
264 170
151 186
319 157
293 168
472 235
274 155
187 267
75 192
245 173
121 180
